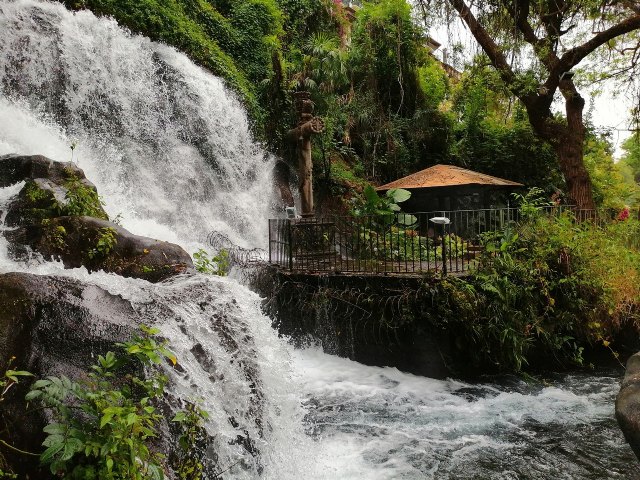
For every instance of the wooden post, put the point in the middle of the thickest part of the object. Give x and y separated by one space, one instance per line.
301 135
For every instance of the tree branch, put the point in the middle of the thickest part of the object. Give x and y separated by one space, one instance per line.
540 45
574 56
491 48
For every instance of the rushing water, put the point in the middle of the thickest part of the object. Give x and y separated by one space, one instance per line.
170 151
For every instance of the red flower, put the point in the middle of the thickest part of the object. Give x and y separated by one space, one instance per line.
624 214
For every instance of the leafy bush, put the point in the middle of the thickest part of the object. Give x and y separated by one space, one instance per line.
103 425
82 200
212 264
558 283
105 244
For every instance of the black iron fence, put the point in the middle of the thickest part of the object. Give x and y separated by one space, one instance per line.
441 241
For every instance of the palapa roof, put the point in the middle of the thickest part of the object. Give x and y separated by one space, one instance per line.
447 176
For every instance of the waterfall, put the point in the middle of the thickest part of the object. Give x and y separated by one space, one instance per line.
170 151
167 145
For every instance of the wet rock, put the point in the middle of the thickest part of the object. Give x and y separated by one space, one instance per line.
16 168
101 245
628 404
52 189
59 214
58 326
52 326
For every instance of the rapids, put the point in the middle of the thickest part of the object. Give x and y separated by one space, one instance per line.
170 151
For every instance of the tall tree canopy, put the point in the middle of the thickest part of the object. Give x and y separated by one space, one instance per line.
535 44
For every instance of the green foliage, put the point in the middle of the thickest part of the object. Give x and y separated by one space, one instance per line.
34 193
55 236
557 284
373 204
191 419
531 203
631 157
10 379
81 200
494 136
104 425
218 264
613 187
105 244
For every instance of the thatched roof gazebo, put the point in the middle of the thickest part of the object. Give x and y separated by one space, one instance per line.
446 187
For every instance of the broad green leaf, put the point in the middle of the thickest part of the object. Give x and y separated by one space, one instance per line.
106 418
399 195
18 373
41 383
53 439
50 452
180 416
32 394
55 429
371 195
406 219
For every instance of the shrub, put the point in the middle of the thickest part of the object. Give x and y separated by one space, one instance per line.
557 283
82 200
104 424
212 264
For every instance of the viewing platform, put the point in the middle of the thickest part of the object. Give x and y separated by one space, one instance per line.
397 244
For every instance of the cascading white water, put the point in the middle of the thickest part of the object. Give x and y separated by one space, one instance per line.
166 144
169 149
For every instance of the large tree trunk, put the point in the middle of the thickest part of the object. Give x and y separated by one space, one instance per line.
567 139
570 150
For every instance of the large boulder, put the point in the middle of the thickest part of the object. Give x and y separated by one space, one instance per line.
628 404
16 168
101 245
59 214
58 326
51 189
52 326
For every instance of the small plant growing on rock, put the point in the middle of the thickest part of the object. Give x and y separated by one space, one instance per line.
34 194
73 146
82 200
104 424
54 235
191 419
105 244
212 264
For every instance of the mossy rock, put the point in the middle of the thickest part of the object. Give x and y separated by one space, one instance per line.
52 189
102 245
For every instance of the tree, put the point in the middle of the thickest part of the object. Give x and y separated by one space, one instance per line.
557 35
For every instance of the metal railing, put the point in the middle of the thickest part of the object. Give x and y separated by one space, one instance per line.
384 244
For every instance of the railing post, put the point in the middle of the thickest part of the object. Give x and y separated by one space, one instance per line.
290 241
444 251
